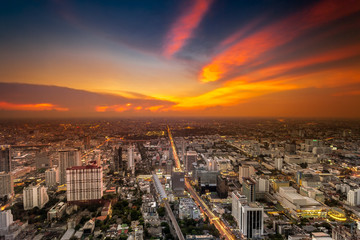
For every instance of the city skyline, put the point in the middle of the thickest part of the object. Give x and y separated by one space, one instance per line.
180 58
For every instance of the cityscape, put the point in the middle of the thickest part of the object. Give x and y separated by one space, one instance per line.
180 120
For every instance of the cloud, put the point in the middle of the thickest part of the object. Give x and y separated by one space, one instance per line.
274 35
30 97
184 27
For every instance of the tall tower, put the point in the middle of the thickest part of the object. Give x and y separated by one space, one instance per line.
118 159
68 158
131 160
5 158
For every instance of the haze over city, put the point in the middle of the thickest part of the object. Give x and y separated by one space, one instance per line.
180 58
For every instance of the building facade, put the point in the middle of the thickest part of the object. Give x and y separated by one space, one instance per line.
84 183
68 158
5 158
35 196
6 184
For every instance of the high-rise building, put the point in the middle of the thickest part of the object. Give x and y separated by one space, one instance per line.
118 159
237 201
263 185
251 222
278 163
6 184
249 216
178 181
51 177
84 183
131 160
86 142
35 196
353 197
245 171
169 167
68 158
191 157
6 219
248 189
5 158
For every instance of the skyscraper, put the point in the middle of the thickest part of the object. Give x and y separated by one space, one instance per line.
84 183
131 160
5 158
248 189
68 158
178 181
278 163
191 157
118 159
51 177
353 197
6 219
35 196
6 184
245 171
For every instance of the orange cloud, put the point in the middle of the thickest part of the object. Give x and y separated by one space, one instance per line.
183 28
275 35
128 107
30 107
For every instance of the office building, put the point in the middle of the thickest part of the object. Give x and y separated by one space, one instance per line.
5 158
51 177
245 171
35 196
68 159
191 157
353 197
42 160
6 184
279 163
263 185
6 219
251 222
131 160
84 183
248 189
118 159
249 216
178 181
237 201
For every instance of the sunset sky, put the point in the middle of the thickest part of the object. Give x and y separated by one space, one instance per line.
224 58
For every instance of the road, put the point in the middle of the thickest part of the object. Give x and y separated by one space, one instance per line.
218 223
173 220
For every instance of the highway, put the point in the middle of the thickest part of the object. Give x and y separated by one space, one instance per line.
218 223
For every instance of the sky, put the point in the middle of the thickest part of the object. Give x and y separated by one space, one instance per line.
179 58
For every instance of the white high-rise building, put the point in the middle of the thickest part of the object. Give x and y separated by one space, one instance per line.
84 183
237 200
35 196
131 160
249 216
6 219
51 177
353 197
6 184
263 185
245 171
278 163
68 159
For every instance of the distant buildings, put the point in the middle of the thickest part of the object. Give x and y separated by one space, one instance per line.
278 163
35 196
5 158
68 158
84 183
51 177
6 184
